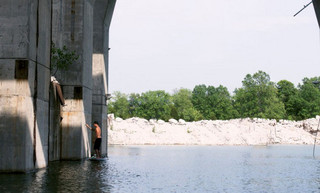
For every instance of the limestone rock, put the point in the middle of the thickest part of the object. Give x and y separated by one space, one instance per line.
182 122
173 121
111 116
152 121
213 132
118 119
160 122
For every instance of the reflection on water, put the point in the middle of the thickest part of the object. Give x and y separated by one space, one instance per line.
64 176
179 169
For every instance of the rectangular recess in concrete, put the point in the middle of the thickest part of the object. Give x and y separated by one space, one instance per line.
21 69
77 92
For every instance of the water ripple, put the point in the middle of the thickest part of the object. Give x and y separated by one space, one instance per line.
179 169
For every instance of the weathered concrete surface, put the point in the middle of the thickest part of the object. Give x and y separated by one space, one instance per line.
15 27
99 107
100 66
34 128
16 135
81 26
73 27
24 79
55 134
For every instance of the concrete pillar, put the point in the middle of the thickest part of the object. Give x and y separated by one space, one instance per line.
24 84
316 5
103 10
73 27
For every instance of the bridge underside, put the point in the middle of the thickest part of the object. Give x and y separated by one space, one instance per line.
34 127
316 5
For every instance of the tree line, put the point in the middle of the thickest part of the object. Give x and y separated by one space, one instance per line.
257 98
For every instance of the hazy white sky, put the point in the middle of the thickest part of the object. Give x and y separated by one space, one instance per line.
168 44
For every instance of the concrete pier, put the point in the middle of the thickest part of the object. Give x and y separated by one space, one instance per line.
34 127
102 20
24 84
73 27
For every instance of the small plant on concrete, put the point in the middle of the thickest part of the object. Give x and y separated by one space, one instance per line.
188 130
61 59
111 127
154 129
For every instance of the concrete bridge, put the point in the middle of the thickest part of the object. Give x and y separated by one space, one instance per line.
34 127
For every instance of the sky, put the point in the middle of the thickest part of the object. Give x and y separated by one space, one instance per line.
173 44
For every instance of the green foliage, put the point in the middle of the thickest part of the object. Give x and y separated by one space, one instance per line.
287 93
61 59
199 100
134 105
221 103
182 107
213 103
182 99
286 90
119 105
258 98
306 103
154 105
150 105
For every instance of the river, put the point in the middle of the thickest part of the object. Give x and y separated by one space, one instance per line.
179 169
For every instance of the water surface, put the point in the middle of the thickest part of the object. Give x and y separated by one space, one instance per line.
179 169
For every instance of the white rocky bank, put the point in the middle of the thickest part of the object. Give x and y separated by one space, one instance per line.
137 131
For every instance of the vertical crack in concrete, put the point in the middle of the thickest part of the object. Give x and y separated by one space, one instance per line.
35 92
73 19
49 112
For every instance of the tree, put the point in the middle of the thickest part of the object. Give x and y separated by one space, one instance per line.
61 59
258 98
199 99
213 103
287 93
220 102
182 107
306 103
119 105
134 104
154 105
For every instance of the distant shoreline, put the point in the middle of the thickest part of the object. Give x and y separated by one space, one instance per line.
236 132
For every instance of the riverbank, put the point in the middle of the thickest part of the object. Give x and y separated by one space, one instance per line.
137 131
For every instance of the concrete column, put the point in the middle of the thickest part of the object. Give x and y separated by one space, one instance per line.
316 5
73 27
103 10
24 84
